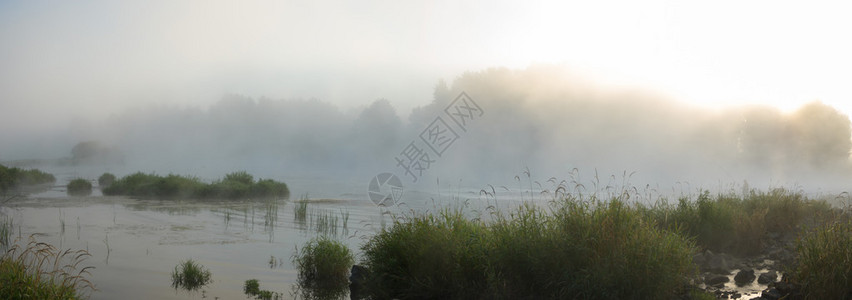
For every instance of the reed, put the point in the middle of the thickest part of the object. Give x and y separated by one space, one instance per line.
323 268
41 271
190 276
824 269
574 249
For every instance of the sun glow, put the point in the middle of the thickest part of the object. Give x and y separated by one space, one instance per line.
714 55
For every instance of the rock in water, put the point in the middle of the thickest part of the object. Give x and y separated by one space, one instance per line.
716 280
744 276
767 278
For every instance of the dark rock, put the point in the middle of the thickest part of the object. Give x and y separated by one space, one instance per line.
717 263
767 278
699 259
786 287
744 276
771 294
357 278
713 280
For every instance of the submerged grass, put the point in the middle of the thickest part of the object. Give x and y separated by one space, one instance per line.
252 289
6 229
237 185
576 249
190 276
41 271
323 268
300 212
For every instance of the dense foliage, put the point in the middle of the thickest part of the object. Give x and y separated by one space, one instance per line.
580 250
238 185
79 187
14 178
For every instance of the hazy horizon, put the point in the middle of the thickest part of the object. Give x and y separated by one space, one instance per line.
669 90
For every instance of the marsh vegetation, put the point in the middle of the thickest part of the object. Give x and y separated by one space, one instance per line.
39 270
323 266
20 181
584 247
190 276
79 187
237 185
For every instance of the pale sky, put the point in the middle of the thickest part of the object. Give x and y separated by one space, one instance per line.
86 59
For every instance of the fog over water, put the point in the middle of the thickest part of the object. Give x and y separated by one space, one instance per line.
543 119
339 91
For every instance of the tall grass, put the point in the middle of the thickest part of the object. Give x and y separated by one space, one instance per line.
738 224
300 212
323 268
824 268
13 179
252 289
6 229
190 276
575 250
41 271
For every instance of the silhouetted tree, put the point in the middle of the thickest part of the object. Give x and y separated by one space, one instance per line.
822 135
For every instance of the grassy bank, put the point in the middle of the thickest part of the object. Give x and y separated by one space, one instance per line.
583 248
12 179
574 249
237 185
738 224
40 271
824 269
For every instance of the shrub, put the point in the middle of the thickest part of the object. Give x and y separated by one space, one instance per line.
15 178
237 185
824 268
736 224
106 180
578 249
190 276
251 287
323 265
40 271
241 177
79 187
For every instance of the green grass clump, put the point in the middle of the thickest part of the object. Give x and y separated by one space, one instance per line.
323 265
190 276
300 212
12 179
238 185
105 180
79 187
577 249
252 289
824 269
40 271
737 224
6 226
